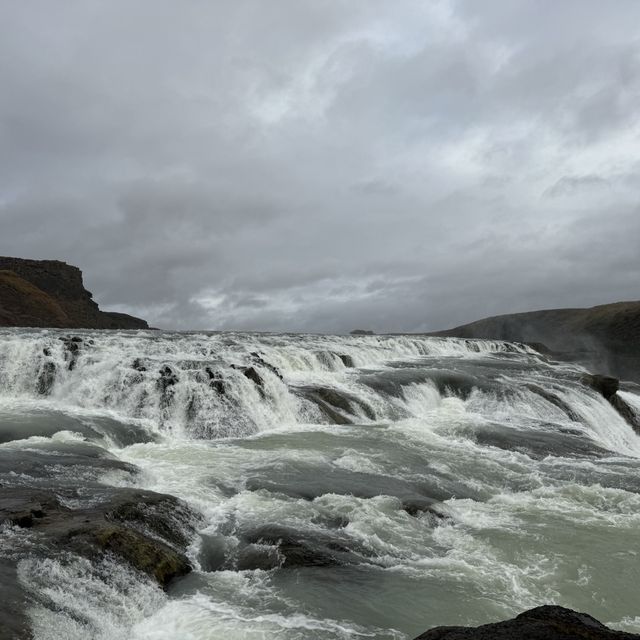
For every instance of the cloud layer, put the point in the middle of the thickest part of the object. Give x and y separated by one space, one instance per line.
317 166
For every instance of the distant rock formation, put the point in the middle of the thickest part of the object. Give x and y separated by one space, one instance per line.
362 332
542 623
606 337
50 293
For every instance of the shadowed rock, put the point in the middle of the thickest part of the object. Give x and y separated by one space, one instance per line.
149 531
556 401
626 412
258 359
542 623
46 378
299 548
347 360
167 378
606 386
66 510
339 406
252 374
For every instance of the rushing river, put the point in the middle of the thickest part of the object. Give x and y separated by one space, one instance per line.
350 487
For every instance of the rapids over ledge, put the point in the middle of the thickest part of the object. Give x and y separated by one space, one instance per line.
318 486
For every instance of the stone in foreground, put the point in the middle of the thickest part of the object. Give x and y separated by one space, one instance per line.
542 623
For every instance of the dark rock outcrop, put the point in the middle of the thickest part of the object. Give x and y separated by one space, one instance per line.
604 385
608 387
605 338
299 548
148 530
362 332
542 623
258 359
347 360
338 406
626 412
50 293
53 496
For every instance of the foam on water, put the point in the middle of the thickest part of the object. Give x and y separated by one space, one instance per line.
532 477
77 599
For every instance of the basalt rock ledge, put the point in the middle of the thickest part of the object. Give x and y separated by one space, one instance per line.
542 623
50 293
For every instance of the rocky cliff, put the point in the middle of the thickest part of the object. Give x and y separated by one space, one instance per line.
606 337
50 293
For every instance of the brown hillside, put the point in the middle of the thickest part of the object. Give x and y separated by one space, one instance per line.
50 293
606 336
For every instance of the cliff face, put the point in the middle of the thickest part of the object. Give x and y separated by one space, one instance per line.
50 293
606 336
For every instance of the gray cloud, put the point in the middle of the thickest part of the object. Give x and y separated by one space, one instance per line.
298 165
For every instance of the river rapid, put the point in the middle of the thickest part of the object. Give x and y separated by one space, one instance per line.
348 486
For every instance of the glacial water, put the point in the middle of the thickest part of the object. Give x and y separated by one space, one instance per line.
350 487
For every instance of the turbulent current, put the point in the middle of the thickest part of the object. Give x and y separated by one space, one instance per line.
348 487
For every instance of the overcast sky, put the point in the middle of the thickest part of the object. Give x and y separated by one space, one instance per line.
323 165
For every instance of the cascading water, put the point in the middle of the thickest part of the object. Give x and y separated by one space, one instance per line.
349 486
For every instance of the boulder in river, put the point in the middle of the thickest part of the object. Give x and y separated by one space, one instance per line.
542 623
607 386
150 531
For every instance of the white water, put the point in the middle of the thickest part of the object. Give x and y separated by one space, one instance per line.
528 522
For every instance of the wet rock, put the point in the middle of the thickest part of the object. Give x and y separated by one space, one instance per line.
347 360
298 548
626 412
608 387
46 378
258 359
216 381
338 406
72 350
149 531
138 366
213 552
416 508
144 553
263 557
604 385
167 378
472 346
555 400
542 623
252 374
